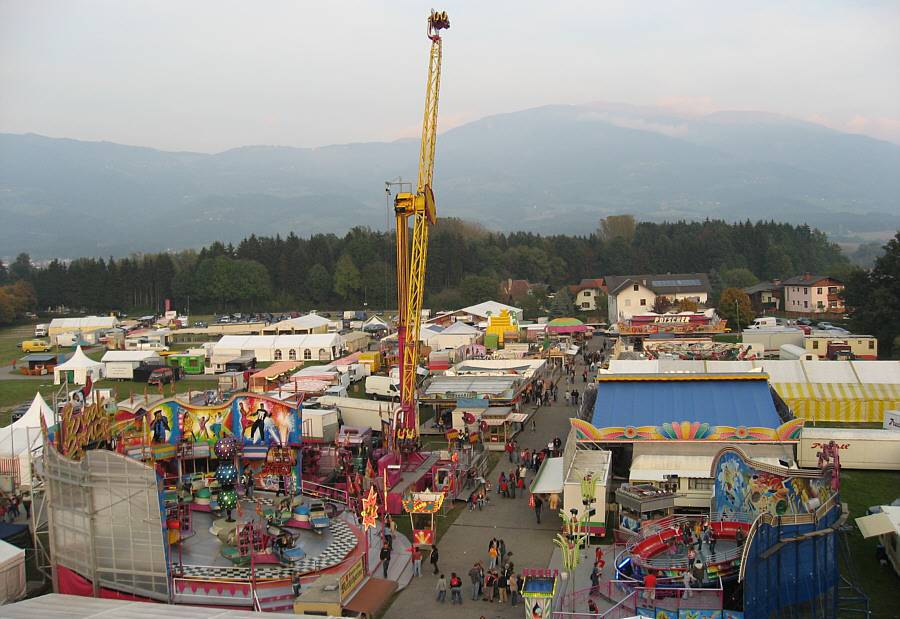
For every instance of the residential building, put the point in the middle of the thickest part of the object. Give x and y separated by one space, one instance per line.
514 290
766 296
813 294
630 295
588 294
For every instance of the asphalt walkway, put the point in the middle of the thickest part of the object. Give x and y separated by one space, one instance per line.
511 520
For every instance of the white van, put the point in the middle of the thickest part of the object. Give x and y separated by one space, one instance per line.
383 387
67 339
41 330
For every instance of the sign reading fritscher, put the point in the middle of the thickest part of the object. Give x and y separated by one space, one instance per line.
891 421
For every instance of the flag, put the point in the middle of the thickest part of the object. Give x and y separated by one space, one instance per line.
370 470
131 396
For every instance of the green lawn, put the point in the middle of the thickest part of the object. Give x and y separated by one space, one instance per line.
861 489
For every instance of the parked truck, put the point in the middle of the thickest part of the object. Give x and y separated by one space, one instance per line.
839 351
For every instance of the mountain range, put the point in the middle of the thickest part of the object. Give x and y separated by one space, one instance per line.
551 170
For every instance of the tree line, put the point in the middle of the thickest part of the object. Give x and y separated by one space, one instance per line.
466 264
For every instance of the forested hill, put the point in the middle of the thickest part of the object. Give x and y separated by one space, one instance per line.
465 265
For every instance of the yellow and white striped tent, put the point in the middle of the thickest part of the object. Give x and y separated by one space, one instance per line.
848 391
839 401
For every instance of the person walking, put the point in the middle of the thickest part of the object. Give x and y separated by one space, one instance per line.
434 559
455 589
385 557
417 561
441 588
26 503
596 575
538 503
533 425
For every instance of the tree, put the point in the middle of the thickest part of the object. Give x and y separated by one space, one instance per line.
687 305
475 289
616 226
347 281
20 268
738 278
735 307
661 305
318 282
562 305
872 299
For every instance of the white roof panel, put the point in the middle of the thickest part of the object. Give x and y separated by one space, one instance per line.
878 372
831 372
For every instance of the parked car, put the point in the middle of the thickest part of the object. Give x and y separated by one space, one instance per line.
36 346
876 509
827 326
161 376
804 321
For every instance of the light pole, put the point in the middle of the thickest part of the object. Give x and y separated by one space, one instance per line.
737 315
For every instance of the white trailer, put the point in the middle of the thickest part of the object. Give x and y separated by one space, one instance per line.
789 352
875 449
360 413
772 339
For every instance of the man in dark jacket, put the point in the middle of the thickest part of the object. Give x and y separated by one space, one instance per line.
434 559
385 557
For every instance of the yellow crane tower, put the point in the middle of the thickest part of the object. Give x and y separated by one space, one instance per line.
411 260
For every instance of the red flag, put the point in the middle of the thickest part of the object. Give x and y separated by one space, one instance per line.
86 390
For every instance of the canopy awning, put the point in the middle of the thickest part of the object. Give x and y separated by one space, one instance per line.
648 467
877 524
549 478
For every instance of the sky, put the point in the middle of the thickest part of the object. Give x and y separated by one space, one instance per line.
208 76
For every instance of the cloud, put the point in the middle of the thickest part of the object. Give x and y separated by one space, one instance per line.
879 128
697 106
643 125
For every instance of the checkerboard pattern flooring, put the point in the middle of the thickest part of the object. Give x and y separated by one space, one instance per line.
343 541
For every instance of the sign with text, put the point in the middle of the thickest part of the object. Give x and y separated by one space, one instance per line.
891 421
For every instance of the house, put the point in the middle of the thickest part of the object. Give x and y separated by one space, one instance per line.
588 293
766 296
514 290
813 294
635 294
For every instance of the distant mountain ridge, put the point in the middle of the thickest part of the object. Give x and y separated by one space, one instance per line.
554 170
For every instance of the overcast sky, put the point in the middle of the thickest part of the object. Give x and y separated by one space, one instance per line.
209 76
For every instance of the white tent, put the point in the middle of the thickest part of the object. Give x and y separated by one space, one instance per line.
79 366
12 573
20 440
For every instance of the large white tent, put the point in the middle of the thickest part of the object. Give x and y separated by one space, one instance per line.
22 440
12 573
78 368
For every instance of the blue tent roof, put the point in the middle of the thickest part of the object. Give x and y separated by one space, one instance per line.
652 400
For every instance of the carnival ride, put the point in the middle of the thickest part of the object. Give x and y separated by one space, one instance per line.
411 258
